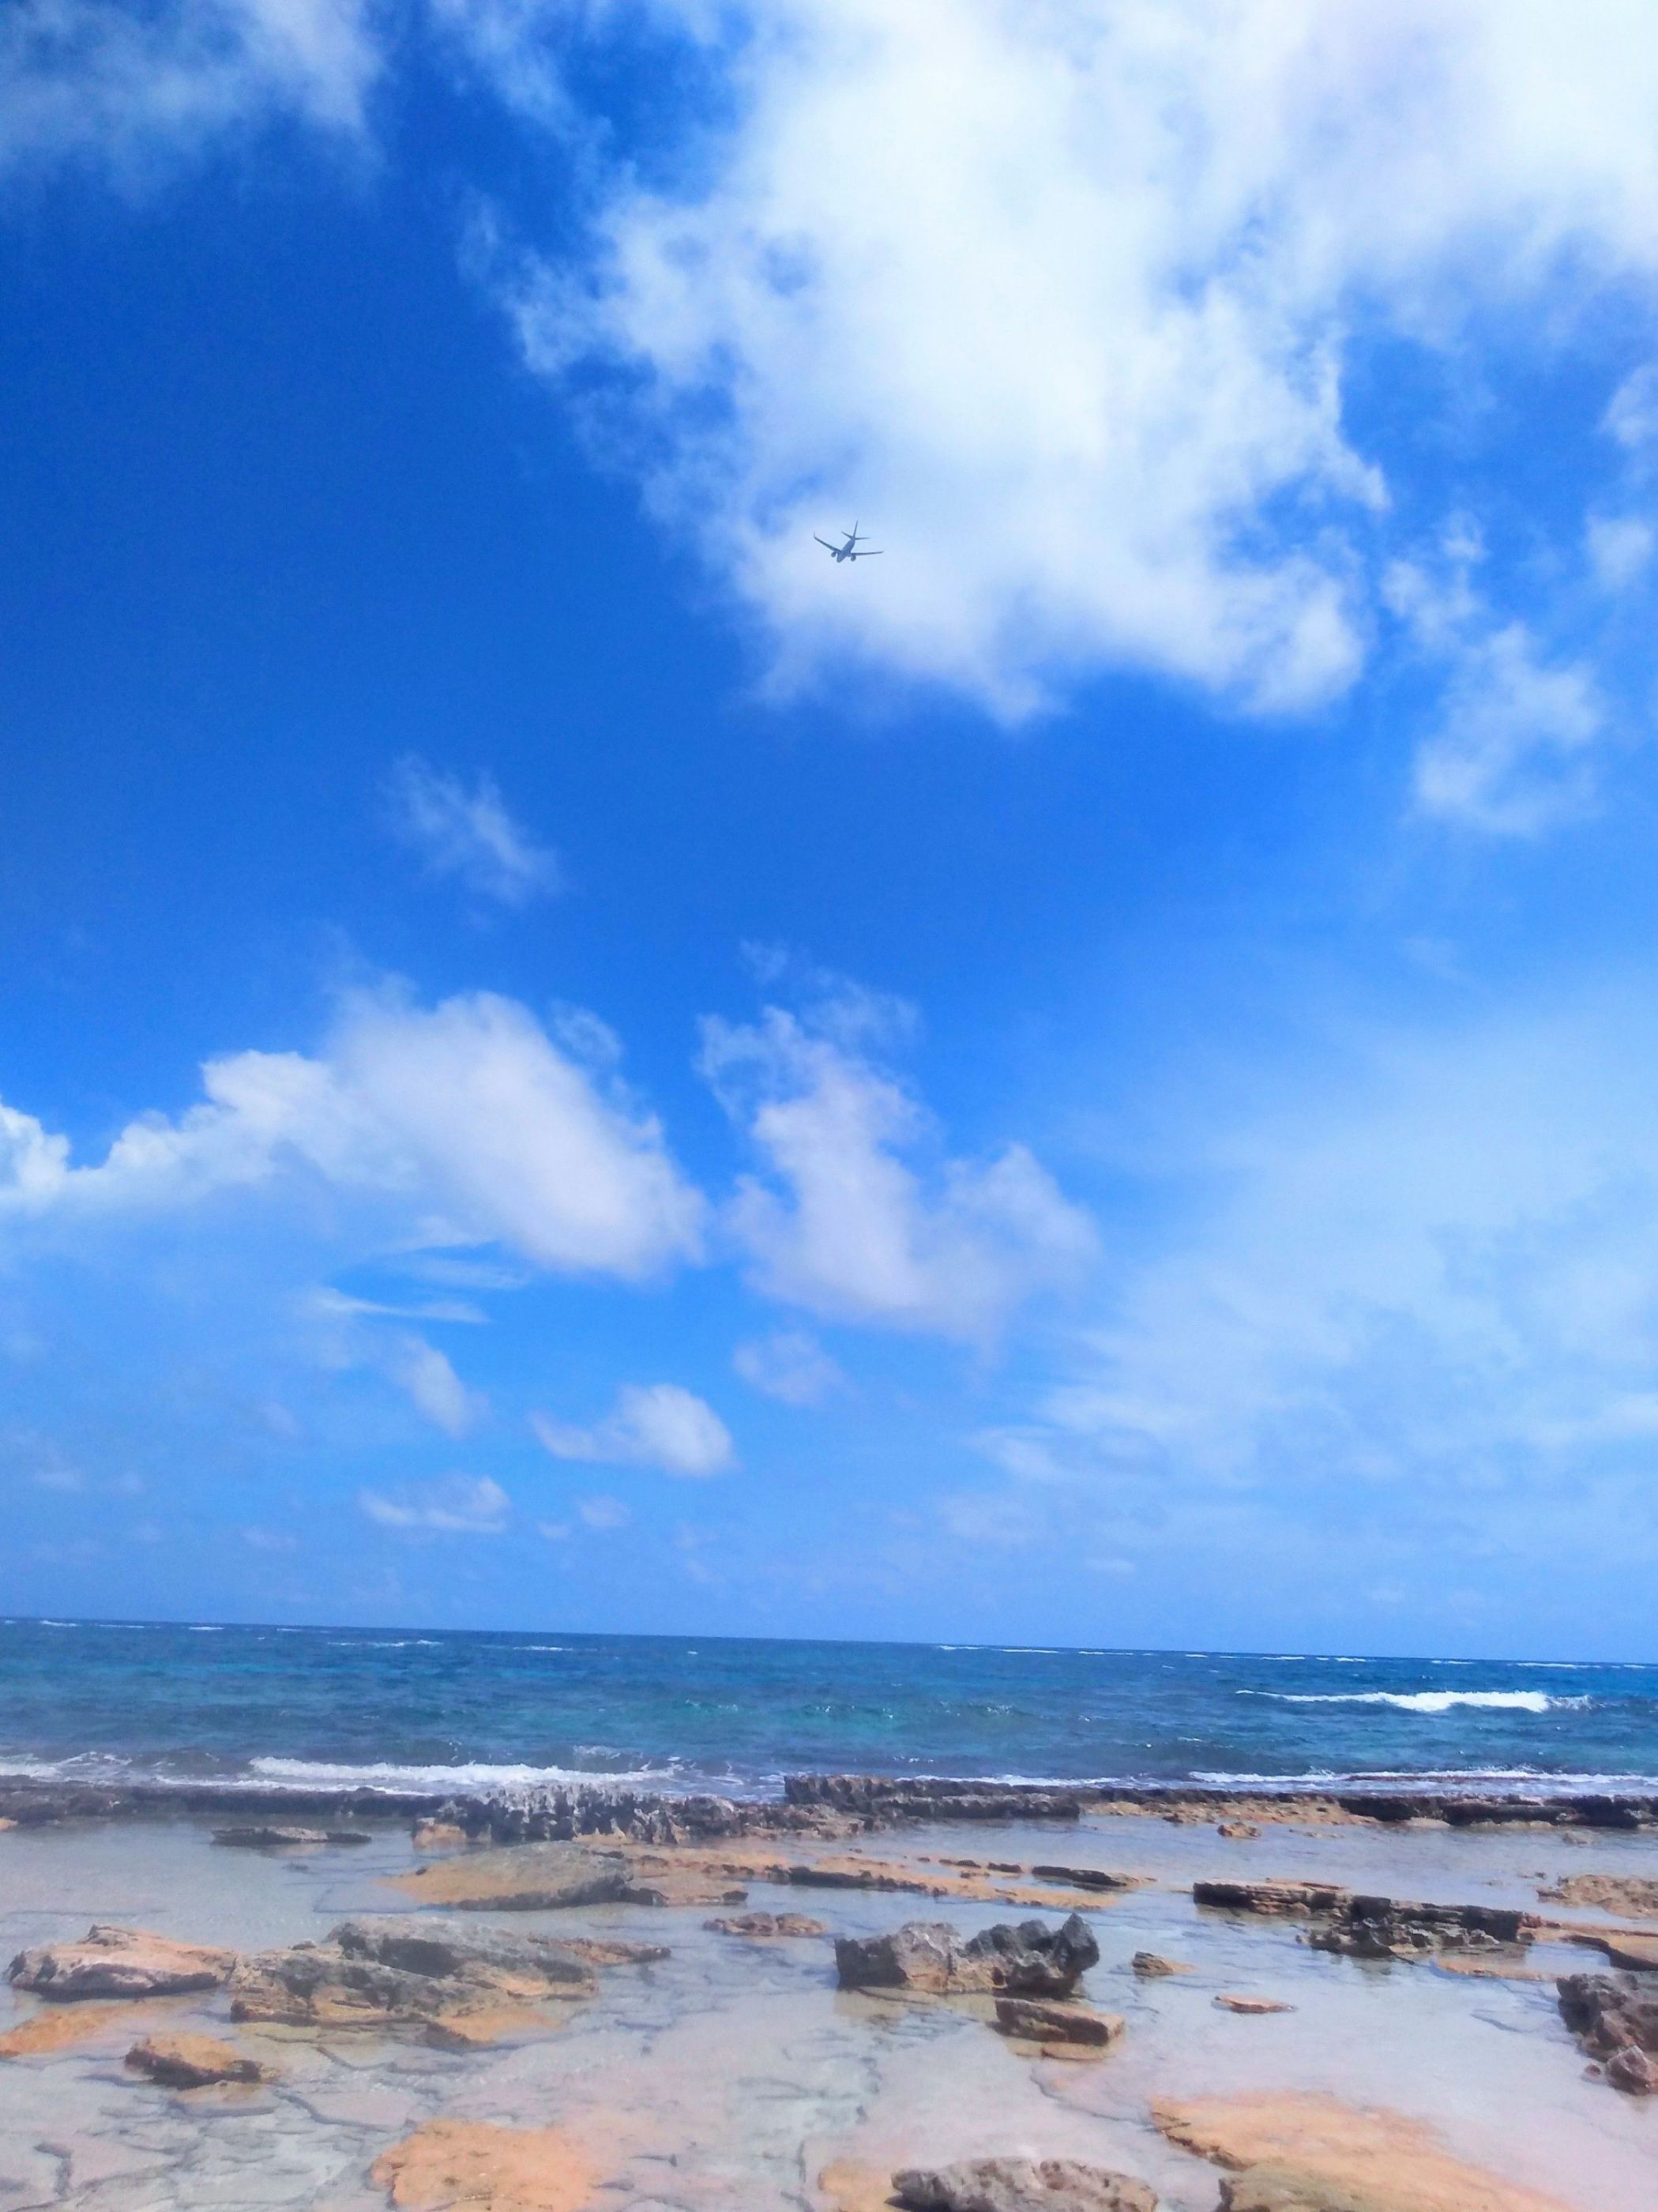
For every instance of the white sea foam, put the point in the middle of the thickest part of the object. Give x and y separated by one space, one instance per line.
1428 1701
471 1776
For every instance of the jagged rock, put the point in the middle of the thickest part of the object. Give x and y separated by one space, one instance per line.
1151 1964
1616 2022
378 1973
1021 2184
1237 1831
882 1798
1029 1959
192 2061
1371 1927
118 1962
1229 2002
1035 2022
766 1926
602 1951
266 1840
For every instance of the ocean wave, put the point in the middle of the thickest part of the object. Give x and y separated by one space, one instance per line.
1428 1701
466 1779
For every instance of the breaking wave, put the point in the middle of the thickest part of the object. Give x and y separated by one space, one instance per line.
1430 1701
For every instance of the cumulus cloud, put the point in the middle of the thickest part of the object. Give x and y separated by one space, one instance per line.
468 834
656 1424
433 1386
130 89
790 1365
856 1217
460 1124
1061 300
456 1504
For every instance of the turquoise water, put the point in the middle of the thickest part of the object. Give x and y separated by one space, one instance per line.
421 1710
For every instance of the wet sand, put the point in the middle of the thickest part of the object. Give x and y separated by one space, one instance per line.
735 2073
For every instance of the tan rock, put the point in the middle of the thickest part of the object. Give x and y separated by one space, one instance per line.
1634 1894
438 1836
1151 1964
60 2027
1032 2019
851 2187
547 1877
488 2169
192 2061
118 1962
1229 2002
1237 1831
1385 2161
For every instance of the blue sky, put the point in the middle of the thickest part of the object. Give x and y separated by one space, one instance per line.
565 1060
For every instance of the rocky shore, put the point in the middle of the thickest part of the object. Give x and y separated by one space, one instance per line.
813 1804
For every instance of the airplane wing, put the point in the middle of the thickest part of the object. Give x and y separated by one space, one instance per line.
824 542
869 552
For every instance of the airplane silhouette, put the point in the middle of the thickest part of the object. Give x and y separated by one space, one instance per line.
851 551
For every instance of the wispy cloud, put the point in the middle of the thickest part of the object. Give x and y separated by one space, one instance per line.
468 834
456 1504
655 1424
790 1365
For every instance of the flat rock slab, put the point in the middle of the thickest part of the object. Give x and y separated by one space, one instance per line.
1021 2184
549 1877
193 2062
1034 2020
1634 1894
487 2169
1150 1964
1026 1960
1382 2160
60 2027
1229 2002
118 1962
766 1927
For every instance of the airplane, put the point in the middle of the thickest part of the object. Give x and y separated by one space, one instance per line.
851 551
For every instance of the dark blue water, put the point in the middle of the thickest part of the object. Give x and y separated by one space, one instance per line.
420 1709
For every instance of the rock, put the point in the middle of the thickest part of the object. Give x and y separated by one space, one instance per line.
1028 1959
59 2027
1615 2021
1634 1894
191 2062
1281 2189
1632 2070
467 2162
549 1877
1637 1953
1228 2002
1021 2184
1085 1877
438 1836
1337 2157
599 1951
1237 1831
471 1984
885 1798
266 1840
1151 1964
1371 1927
118 1962
765 1927
1036 2021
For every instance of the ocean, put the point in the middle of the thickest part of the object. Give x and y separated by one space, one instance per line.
424 1709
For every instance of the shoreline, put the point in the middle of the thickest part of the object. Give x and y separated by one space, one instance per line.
825 1803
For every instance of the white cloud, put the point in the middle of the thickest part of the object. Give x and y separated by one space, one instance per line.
432 1386
457 1504
842 1223
1512 754
656 1424
789 1365
1619 546
1631 415
1057 298
128 88
468 834
461 1125
603 1513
